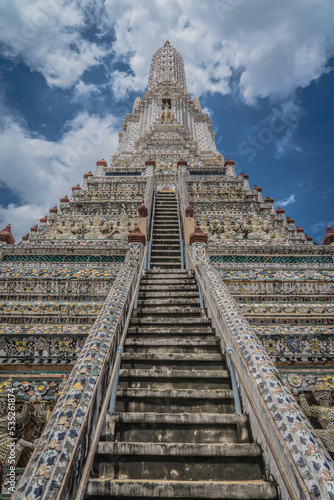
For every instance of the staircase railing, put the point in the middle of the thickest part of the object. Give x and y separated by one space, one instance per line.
298 475
180 221
111 391
151 234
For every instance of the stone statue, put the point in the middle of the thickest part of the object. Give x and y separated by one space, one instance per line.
323 412
166 114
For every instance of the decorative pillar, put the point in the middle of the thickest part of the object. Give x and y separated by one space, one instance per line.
6 235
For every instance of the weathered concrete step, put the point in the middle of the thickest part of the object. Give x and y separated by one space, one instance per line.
163 218
166 259
164 223
174 379
176 393
175 428
199 357
183 283
160 294
162 233
168 347
146 286
180 271
165 266
168 301
168 331
180 418
177 342
168 249
166 215
166 240
164 253
165 248
180 449
190 322
171 310
153 291
168 278
173 250
165 374
175 400
229 490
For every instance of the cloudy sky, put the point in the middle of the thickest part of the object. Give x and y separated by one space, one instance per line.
71 69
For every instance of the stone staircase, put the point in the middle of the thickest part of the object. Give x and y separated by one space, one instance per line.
166 251
175 433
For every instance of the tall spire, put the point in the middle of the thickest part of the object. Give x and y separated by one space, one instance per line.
167 66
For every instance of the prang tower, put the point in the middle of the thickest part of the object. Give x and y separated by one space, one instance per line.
162 327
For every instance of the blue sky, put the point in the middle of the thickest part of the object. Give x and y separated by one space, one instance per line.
70 71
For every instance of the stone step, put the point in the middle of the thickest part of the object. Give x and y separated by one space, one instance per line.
191 461
184 342
160 294
175 400
166 258
167 240
157 239
168 302
180 449
165 219
169 346
146 363
174 379
168 286
161 237
170 374
164 230
169 215
184 311
165 224
163 266
163 489
170 331
172 357
169 278
164 247
165 251
186 272
175 427
160 322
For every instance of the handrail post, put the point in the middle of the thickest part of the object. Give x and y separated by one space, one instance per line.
237 403
200 292
182 260
149 255
137 294
114 389
187 255
146 256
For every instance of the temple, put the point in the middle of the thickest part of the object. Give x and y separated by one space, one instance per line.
165 332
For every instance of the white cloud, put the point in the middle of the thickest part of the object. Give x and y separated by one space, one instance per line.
279 46
46 36
83 90
286 201
41 171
